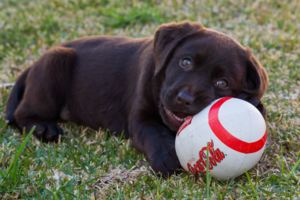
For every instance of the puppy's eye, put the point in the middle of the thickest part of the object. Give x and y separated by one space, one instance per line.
186 63
221 84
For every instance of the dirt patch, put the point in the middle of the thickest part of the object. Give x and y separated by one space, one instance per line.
118 176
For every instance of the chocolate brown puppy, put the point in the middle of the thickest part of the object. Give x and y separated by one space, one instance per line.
141 87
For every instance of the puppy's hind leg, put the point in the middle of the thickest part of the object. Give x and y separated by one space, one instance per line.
46 89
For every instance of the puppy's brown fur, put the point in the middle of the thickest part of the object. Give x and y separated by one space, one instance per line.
132 85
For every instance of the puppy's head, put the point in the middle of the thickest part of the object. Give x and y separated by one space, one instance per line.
196 65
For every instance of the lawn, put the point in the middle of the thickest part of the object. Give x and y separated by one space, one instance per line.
88 164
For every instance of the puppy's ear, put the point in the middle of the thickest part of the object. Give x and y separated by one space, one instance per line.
256 81
166 39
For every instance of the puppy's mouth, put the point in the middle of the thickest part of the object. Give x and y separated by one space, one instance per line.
174 119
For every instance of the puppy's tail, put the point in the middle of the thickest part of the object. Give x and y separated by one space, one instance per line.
15 97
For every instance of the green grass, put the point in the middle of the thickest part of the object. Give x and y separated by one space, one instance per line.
91 164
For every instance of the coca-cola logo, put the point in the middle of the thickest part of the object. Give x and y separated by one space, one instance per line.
215 157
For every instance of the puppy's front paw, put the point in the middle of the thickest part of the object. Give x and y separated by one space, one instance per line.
165 160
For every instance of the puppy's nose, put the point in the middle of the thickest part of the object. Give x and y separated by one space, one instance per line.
185 97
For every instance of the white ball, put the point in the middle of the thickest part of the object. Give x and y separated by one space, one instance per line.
231 130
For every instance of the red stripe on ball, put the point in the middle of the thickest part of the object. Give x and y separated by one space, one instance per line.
227 138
